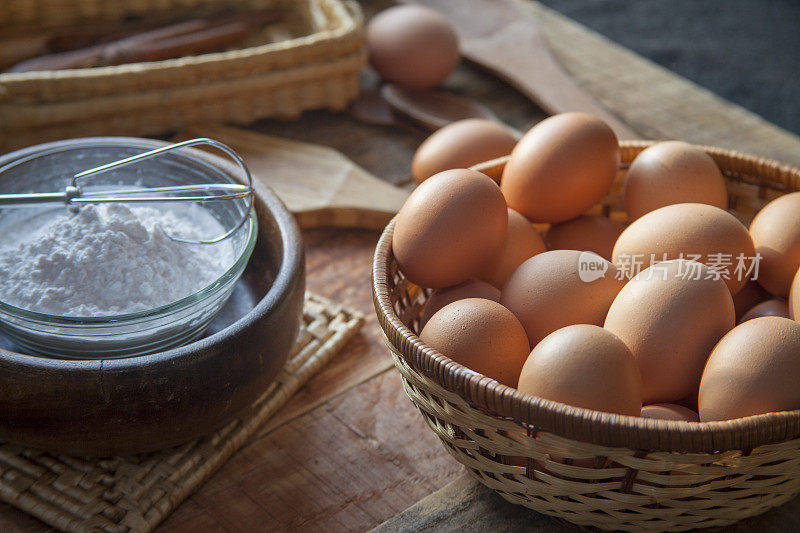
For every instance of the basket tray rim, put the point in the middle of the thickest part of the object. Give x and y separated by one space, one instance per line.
342 38
576 423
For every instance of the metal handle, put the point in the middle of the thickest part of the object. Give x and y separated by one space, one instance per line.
248 192
38 198
73 195
232 191
13 200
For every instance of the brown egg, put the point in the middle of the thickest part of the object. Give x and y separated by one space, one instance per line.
584 366
748 297
671 319
473 288
521 243
480 334
794 298
772 307
449 229
690 231
690 402
460 145
672 172
776 234
561 167
587 233
754 369
548 291
669 411
412 45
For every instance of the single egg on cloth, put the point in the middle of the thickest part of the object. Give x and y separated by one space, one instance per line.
669 411
584 366
670 316
587 233
776 234
672 172
521 243
450 228
561 167
754 369
698 232
480 334
560 288
461 144
412 45
473 288
772 307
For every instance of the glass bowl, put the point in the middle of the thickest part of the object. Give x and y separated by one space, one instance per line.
48 168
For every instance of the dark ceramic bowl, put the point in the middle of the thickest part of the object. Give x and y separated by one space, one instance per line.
144 403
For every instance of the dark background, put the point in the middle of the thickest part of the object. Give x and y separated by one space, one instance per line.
747 51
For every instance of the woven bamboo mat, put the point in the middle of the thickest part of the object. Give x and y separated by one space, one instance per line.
134 494
656 102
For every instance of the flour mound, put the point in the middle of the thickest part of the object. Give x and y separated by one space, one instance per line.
110 259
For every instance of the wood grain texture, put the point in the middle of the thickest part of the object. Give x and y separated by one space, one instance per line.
338 265
468 506
433 109
350 451
493 32
386 151
315 489
654 101
288 481
319 185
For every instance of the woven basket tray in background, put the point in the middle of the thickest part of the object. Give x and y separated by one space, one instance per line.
591 468
318 70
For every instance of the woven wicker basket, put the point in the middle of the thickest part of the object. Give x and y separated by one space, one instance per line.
591 468
282 79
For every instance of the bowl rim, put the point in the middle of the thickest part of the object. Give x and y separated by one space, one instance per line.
291 266
15 158
606 429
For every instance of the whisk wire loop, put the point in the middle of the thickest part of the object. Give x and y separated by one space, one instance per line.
74 194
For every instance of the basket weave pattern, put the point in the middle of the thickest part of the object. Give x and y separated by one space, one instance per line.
587 467
134 494
281 79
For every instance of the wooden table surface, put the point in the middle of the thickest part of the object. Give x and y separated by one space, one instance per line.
349 451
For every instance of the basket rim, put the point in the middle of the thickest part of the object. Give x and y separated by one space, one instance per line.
606 429
344 33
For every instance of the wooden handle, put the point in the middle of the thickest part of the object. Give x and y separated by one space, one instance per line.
190 37
505 38
319 185
19 48
433 109
83 58
522 58
198 42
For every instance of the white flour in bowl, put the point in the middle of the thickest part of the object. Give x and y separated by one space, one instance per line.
110 259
